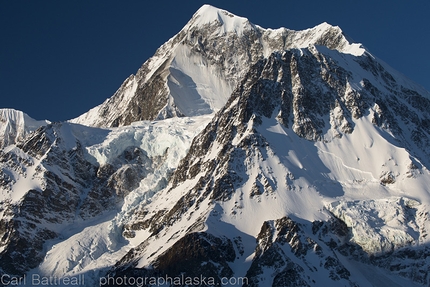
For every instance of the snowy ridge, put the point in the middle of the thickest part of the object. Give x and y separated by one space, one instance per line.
230 23
125 93
15 125
318 35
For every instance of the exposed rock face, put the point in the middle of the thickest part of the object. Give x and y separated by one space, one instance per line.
23 233
196 255
277 242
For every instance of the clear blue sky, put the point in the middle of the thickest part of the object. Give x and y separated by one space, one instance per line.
58 59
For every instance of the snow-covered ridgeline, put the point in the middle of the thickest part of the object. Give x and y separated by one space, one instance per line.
230 23
195 71
15 125
120 100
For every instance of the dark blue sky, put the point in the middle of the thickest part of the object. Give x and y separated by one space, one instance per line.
58 59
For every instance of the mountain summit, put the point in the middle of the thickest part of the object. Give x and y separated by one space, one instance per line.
271 158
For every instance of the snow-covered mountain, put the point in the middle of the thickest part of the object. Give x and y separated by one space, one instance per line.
236 155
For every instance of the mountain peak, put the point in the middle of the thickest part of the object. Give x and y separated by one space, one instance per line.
195 72
325 25
229 22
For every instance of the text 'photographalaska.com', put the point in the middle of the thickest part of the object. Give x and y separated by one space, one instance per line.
172 281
